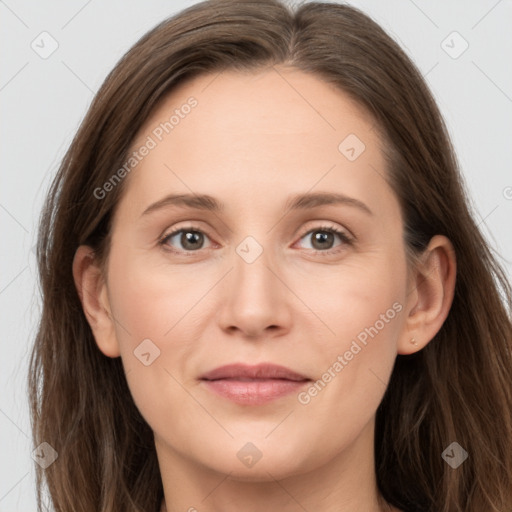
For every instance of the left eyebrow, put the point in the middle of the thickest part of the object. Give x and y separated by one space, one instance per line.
296 202
314 199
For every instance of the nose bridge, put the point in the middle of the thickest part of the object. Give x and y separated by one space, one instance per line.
256 299
252 277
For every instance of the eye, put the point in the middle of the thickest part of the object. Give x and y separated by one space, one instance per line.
190 238
323 239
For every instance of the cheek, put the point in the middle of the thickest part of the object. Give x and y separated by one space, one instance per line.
354 296
152 310
359 313
150 302
354 362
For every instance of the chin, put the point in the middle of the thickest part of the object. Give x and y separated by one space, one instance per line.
262 471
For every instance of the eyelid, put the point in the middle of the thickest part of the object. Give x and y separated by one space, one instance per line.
328 227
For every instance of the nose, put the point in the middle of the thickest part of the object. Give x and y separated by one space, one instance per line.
255 299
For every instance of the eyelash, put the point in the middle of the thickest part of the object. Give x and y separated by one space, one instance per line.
329 229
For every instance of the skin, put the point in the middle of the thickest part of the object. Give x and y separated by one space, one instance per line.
251 142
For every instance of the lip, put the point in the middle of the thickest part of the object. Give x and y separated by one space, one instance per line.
259 371
253 385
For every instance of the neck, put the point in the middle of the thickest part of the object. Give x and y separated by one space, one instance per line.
345 483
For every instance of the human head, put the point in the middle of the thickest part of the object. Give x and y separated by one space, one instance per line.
375 74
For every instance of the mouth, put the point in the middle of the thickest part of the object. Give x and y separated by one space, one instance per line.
263 371
253 385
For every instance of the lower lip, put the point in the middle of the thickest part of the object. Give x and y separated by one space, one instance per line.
255 392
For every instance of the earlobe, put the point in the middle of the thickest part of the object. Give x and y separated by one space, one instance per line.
430 296
92 290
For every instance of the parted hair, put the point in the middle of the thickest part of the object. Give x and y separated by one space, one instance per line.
457 388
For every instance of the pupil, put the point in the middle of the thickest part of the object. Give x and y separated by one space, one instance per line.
189 239
322 236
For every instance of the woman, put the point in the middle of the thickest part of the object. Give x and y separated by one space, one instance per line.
200 350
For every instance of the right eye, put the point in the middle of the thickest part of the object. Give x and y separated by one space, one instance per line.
190 238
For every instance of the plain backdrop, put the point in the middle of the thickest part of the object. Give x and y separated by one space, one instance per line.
44 97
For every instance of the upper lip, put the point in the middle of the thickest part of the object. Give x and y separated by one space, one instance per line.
260 371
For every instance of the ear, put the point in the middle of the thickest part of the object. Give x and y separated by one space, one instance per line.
431 294
92 290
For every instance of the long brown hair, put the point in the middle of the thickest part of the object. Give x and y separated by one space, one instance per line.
458 388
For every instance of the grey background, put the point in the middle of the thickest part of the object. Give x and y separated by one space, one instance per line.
43 101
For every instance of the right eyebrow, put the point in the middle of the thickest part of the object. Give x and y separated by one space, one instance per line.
201 202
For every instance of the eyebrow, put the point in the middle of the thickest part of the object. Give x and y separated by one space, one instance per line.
297 202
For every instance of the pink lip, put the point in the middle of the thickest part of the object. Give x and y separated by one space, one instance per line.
253 385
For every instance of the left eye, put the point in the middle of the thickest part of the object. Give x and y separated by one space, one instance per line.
323 238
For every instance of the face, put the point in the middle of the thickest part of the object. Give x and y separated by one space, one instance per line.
301 264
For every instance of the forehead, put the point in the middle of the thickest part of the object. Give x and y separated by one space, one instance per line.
274 100
232 131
